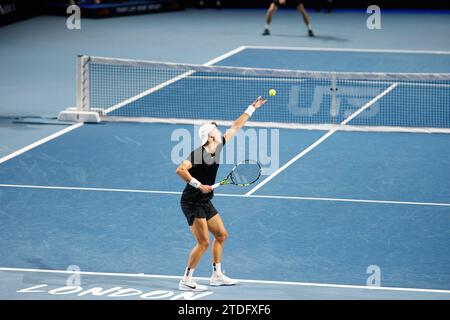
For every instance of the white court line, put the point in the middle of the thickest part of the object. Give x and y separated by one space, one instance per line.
41 141
298 156
87 189
439 204
349 50
368 104
289 283
350 200
321 139
77 125
225 55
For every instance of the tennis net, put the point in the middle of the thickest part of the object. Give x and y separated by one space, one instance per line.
132 90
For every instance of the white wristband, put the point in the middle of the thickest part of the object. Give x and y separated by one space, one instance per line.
250 110
195 183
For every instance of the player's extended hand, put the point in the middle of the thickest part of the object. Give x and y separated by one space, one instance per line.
205 188
259 102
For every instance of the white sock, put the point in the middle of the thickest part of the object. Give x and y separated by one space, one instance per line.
217 268
266 26
309 26
188 274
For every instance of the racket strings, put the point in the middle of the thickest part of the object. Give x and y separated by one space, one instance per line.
246 173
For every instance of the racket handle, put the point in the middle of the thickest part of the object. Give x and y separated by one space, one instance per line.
215 185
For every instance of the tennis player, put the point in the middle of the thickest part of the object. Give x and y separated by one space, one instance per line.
199 171
300 8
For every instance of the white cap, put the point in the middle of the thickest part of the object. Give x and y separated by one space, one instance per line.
204 131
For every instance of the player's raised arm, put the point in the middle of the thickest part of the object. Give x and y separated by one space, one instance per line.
240 122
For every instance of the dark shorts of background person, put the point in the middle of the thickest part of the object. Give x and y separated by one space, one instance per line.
198 209
289 3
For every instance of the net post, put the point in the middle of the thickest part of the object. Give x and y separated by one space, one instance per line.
79 84
82 112
83 99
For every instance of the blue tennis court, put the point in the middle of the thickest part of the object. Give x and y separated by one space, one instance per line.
105 197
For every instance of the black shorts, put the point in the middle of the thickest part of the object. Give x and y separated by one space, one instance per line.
198 209
288 2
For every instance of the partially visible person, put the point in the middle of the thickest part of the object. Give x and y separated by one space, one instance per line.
300 8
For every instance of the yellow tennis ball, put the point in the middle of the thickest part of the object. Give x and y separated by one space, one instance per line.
272 92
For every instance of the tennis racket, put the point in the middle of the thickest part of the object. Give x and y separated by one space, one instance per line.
243 174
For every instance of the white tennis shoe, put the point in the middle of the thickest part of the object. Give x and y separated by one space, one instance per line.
191 285
221 280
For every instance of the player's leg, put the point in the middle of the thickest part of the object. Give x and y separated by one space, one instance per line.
217 228
301 9
199 229
273 7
